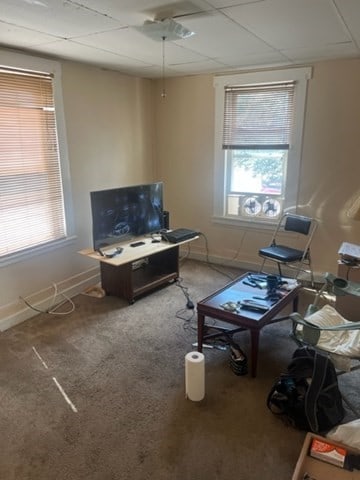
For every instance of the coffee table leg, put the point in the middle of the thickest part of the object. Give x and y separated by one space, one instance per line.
200 330
295 304
254 350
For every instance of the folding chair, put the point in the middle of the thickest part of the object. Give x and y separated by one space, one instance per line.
323 328
296 256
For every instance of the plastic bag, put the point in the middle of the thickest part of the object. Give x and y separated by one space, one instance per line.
347 433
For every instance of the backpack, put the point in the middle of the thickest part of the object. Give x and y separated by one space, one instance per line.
307 396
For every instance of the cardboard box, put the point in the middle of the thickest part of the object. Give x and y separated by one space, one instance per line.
319 469
328 452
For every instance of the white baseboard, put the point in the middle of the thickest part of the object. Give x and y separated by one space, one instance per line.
14 313
251 266
218 260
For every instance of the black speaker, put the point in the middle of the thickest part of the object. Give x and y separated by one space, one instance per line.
166 220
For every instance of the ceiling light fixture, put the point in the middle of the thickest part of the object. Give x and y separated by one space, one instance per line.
164 30
168 28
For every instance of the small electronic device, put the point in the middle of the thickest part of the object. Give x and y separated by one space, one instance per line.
111 252
230 306
252 305
137 244
179 235
349 254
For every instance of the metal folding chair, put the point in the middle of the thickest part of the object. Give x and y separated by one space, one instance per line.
300 231
323 328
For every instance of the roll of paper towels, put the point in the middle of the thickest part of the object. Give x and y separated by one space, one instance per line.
195 376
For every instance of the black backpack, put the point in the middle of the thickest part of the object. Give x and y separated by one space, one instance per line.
307 396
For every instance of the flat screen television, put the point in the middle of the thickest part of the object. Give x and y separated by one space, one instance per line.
123 213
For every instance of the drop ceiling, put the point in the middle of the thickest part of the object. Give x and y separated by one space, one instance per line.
229 34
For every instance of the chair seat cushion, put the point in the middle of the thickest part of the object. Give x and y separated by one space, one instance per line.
341 342
282 253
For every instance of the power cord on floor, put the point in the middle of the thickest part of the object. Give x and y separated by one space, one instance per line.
186 314
53 307
210 264
186 255
207 261
189 303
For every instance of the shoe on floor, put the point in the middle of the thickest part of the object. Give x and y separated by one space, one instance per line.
238 360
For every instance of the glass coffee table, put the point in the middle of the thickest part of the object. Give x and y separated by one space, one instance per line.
246 304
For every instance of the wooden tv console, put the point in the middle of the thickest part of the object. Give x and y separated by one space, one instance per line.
137 270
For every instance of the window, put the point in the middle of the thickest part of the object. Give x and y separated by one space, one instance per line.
258 136
32 203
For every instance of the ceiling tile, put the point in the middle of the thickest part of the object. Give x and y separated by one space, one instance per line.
321 53
73 51
135 12
229 3
292 24
130 43
230 34
216 35
21 37
58 18
198 67
267 58
350 11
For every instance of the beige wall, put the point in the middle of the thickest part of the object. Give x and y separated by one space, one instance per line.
109 124
330 169
112 141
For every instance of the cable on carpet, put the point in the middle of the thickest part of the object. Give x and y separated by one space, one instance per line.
210 264
185 290
186 255
186 314
53 307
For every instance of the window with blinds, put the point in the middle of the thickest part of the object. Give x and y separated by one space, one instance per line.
31 195
257 127
258 117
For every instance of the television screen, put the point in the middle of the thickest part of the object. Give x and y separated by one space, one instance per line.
122 213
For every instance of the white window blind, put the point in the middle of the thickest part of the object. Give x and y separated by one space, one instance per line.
31 196
258 116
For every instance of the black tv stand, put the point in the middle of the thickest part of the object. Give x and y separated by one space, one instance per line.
129 282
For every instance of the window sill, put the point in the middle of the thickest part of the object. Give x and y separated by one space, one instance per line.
35 251
256 224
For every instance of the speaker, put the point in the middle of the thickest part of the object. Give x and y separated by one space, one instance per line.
166 220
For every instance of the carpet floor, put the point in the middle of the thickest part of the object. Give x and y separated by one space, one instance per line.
99 394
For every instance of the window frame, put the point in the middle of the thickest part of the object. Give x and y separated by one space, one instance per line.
301 76
37 64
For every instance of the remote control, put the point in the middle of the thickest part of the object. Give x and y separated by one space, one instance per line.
252 305
137 244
